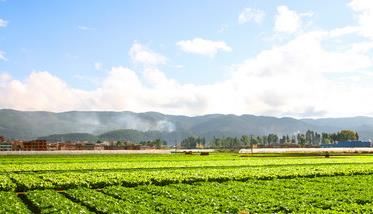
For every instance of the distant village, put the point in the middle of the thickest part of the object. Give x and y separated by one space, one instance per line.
44 145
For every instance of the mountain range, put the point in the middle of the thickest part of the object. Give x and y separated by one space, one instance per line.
109 125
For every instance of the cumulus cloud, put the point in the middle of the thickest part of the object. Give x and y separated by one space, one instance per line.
364 9
203 46
3 23
286 80
292 78
251 15
286 20
141 54
4 78
122 89
304 76
2 56
46 90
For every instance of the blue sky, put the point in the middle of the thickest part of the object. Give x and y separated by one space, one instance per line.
196 49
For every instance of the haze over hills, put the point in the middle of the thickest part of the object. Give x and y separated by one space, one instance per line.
93 125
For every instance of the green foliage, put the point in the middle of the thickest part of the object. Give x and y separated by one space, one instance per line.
301 195
226 143
140 201
345 135
10 203
219 183
245 140
301 139
192 142
97 179
6 183
30 182
272 138
100 202
49 201
157 143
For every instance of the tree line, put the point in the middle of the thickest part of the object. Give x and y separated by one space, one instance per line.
309 138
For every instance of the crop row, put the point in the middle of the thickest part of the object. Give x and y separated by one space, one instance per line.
69 180
144 201
89 158
123 164
50 201
341 194
10 203
6 183
98 201
347 194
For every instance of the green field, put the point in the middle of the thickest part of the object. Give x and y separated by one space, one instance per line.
178 183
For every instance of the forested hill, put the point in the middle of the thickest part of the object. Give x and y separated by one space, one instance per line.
110 125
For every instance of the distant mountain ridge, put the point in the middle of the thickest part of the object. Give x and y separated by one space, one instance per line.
92 124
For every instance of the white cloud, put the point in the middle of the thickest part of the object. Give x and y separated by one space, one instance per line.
3 23
364 10
141 54
4 78
98 66
251 15
337 32
2 56
286 20
286 80
203 47
293 78
305 76
51 92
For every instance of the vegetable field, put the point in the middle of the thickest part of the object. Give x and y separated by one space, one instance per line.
178 183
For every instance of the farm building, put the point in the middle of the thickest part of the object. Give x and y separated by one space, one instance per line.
75 146
35 145
68 146
349 144
5 145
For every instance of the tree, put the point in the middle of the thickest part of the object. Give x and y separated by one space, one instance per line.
192 142
325 138
272 138
333 137
119 143
245 140
316 139
216 143
345 135
301 139
253 141
309 136
265 140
